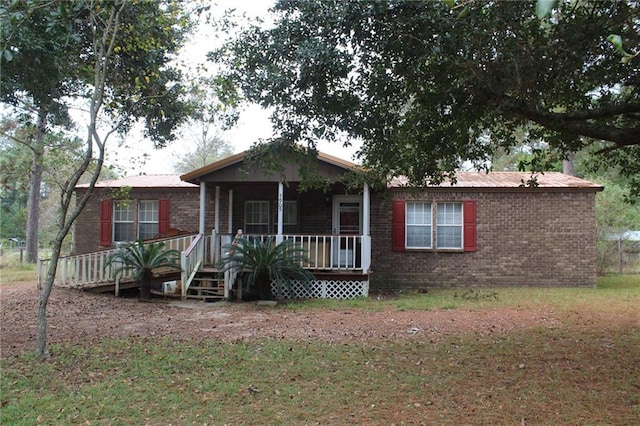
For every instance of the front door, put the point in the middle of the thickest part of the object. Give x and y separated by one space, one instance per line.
347 228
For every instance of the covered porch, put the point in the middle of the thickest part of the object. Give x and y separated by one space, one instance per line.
331 224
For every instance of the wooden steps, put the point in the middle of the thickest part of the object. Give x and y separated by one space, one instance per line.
206 286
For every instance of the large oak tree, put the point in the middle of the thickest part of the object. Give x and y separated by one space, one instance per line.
113 57
47 62
426 85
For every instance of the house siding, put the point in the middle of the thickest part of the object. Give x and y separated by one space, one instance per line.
524 238
183 213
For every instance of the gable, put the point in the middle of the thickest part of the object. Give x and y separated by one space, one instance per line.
235 169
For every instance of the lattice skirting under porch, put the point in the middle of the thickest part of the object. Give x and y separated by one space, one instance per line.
324 289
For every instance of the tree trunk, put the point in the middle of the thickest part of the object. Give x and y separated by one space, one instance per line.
264 287
145 286
41 332
35 183
567 164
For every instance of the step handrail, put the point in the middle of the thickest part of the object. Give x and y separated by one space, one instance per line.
190 260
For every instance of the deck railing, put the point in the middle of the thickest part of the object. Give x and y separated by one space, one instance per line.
91 268
324 252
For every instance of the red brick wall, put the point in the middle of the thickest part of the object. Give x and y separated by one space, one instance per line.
183 213
524 238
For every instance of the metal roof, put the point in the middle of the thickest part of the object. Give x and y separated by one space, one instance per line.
144 181
508 180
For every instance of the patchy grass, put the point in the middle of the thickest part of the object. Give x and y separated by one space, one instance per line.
584 371
609 291
535 377
12 272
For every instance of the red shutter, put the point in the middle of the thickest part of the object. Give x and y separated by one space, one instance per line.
398 237
470 240
106 210
163 216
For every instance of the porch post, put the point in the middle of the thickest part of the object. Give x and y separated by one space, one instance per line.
230 221
203 199
366 231
365 210
280 212
216 223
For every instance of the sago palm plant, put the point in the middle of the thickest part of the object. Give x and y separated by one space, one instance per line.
142 260
266 262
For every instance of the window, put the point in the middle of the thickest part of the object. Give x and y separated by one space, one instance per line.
256 217
147 219
130 220
419 228
123 221
289 216
449 225
414 228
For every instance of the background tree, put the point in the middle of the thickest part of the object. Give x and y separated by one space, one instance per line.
44 62
14 166
35 77
121 53
215 110
424 86
206 150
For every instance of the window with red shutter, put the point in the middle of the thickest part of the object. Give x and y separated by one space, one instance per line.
470 237
398 231
163 216
449 228
106 210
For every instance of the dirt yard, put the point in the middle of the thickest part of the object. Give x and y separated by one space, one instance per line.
75 316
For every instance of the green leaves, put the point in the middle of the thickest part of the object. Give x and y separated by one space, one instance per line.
141 260
616 41
425 91
544 8
264 261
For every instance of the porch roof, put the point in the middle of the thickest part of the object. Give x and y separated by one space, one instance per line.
218 167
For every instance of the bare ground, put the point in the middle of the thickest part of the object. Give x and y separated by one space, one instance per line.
76 316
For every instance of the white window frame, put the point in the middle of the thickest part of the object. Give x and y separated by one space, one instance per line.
143 218
289 215
118 219
249 222
416 224
449 219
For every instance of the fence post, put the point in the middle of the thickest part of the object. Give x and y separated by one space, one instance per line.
185 274
620 255
39 274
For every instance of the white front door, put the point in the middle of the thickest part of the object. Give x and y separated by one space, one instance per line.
347 227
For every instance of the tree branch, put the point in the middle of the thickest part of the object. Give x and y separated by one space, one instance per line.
582 123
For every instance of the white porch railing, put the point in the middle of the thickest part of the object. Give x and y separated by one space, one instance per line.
91 268
324 252
191 260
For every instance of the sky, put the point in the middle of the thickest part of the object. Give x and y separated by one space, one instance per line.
128 153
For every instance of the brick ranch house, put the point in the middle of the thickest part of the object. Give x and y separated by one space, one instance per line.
486 230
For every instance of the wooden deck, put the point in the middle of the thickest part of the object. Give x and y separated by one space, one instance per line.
332 268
